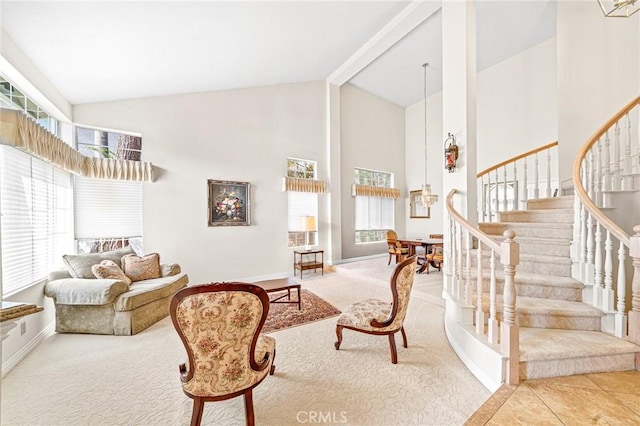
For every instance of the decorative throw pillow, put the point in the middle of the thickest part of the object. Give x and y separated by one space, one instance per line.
79 265
140 268
110 270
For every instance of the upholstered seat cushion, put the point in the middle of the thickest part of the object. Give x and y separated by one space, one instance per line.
80 291
360 314
142 292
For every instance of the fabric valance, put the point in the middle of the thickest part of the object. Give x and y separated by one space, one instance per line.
20 131
304 185
375 191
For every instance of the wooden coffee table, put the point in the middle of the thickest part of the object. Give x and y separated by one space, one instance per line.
281 284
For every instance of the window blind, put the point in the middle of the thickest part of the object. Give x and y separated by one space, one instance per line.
107 208
35 218
301 204
373 213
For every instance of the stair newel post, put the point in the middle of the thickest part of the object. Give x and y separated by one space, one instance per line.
634 314
536 180
515 187
509 340
468 286
496 202
607 294
504 189
492 324
616 157
597 282
479 308
525 186
621 289
548 188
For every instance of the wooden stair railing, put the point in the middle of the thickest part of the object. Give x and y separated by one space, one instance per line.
458 266
609 162
504 186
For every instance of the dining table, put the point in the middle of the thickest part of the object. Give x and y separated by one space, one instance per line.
427 243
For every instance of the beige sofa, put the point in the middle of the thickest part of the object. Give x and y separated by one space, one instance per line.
109 306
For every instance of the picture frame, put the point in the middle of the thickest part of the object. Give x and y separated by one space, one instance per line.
229 203
416 209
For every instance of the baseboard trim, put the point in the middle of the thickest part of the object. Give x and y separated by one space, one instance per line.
358 259
26 349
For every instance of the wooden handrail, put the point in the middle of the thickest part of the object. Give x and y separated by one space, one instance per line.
516 158
475 232
618 232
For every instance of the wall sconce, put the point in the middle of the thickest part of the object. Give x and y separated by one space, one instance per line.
450 153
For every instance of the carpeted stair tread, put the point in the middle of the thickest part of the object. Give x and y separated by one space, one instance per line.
533 258
535 279
552 344
539 306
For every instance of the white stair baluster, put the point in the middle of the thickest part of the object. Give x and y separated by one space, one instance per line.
606 166
468 288
493 329
505 207
497 198
515 187
479 308
608 296
621 288
616 158
597 281
597 197
628 159
548 188
536 180
525 187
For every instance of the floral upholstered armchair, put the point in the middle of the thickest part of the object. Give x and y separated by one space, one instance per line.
373 316
220 325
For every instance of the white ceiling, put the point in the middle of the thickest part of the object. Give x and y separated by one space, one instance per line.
102 51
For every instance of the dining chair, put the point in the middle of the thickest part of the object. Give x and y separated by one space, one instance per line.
395 248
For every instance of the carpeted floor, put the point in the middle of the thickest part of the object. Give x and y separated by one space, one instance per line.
112 380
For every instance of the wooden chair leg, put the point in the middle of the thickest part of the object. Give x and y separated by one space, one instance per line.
248 407
390 256
196 414
392 347
404 336
273 364
339 334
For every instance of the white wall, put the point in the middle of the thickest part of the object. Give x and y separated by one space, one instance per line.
517 104
372 137
516 112
598 73
415 158
236 135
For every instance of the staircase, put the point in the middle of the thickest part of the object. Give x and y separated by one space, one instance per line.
559 334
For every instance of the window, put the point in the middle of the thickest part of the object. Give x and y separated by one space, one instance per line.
301 204
374 215
108 214
12 97
36 218
98 143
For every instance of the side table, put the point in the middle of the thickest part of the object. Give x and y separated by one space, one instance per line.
308 259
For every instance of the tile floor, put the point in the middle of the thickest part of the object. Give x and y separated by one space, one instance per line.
588 399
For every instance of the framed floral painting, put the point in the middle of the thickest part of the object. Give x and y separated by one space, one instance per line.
229 203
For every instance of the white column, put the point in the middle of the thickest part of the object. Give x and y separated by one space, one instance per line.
459 102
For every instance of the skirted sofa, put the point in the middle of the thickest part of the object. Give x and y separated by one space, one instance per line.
93 294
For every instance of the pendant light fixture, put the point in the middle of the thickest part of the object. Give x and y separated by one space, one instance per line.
427 198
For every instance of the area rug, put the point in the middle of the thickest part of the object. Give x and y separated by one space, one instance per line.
284 315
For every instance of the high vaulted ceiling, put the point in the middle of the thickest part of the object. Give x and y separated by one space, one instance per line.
101 51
